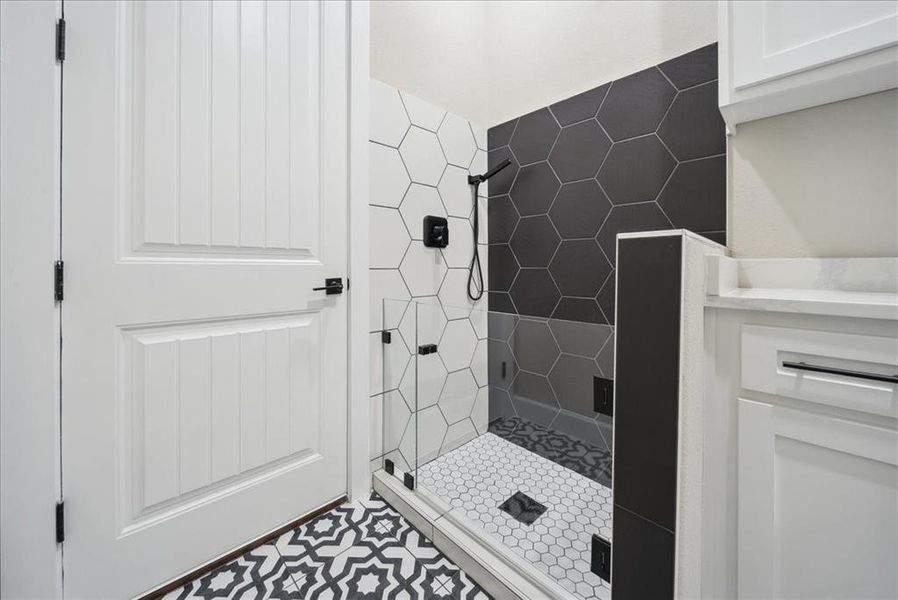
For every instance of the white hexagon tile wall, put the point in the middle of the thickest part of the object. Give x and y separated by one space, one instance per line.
420 158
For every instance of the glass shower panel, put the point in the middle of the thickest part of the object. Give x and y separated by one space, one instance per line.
393 437
451 364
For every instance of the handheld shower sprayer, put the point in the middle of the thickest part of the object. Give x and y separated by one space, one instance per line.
474 181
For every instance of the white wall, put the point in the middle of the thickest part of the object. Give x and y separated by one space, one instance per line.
492 61
819 182
30 560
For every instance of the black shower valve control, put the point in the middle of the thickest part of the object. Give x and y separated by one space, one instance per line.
436 232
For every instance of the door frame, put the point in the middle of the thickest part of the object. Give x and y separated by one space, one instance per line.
30 450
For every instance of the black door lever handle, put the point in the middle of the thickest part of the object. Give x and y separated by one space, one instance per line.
332 285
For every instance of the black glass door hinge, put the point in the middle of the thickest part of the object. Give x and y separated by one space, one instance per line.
58 280
60 40
60 522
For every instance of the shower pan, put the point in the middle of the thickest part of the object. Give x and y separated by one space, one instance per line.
472 426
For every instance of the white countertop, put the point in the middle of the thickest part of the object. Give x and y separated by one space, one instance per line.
861 287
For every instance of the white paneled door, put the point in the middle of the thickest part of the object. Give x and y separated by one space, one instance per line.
204 196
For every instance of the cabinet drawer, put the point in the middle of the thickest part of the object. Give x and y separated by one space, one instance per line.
768 351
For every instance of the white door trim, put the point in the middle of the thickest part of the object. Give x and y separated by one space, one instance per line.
30 559
359 471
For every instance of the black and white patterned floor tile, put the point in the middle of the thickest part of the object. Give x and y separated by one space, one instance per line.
363 550
565 450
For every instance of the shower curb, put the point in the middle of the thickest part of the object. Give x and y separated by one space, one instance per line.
502 573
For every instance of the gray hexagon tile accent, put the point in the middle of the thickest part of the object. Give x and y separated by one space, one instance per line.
500 403
571 379
534 346
534 241
477 477
533 387
534 136
577 338
501 326
585 310
501 365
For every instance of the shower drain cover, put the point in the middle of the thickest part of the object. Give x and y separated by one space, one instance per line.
523 508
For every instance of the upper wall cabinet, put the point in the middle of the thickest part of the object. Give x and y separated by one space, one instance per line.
781 56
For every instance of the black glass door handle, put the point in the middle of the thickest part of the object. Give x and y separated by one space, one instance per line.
332 285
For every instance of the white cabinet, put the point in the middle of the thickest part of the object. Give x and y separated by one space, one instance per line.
778 56
817 464
818 505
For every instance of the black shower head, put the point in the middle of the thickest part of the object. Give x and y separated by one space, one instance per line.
481 178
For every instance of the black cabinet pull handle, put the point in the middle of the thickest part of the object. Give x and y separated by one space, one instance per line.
800 366
332 285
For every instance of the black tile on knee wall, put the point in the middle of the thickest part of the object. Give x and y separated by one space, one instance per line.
646 381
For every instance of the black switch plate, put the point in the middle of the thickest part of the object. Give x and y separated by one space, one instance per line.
436 232
603 395
600 562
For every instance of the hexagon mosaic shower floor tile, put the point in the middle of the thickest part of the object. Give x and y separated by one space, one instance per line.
481 475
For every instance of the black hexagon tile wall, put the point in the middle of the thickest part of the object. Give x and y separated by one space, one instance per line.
643 152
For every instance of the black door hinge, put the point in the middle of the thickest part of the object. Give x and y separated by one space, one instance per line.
386 337
60 40
58 280
60 522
